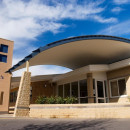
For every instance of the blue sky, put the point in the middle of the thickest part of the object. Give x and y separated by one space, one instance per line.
34 23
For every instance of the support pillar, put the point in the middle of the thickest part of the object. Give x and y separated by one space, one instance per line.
128 87
23 97
90 88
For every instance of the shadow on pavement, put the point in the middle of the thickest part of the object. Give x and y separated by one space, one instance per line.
93 125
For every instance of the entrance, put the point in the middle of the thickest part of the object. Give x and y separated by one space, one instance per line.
100 92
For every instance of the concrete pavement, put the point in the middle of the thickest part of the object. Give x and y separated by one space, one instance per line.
63 124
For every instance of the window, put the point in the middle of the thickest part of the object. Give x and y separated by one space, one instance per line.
3 58
76 89
67 90
60 90
83 88
122 86
13 96
3 48
118 87
1 97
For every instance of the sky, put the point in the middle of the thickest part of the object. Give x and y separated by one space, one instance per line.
35 23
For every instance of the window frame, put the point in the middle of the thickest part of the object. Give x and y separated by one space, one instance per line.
79 97
117 86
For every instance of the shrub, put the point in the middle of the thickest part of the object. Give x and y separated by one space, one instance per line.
71 100
41 100
56 100
60 100
50 100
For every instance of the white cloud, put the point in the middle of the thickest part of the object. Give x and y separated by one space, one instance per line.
119 2
23 21
116 9
102 20
41 70
27 20
119 29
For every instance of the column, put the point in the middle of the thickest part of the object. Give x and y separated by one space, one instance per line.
128 86
23 97
90 88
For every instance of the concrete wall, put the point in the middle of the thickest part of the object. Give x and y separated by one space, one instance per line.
5 82
104 110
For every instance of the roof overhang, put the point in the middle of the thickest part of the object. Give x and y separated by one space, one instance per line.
79 51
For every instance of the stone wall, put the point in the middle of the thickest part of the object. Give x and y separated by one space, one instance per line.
104 110
23 98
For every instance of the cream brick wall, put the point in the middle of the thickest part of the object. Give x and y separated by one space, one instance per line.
109 110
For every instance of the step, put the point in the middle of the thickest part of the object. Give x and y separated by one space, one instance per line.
11 112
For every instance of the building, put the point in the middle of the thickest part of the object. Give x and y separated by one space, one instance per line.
100 72
6 53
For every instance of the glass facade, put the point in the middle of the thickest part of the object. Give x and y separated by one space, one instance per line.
76 89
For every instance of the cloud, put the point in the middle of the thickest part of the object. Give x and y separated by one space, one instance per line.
27 20
43 69
23 21
116 9
119 29
102 20
119 2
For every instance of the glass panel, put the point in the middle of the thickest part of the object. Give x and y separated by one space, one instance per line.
4 48
3 58
83 88
100 100
60 90
100 89
15 96
105 83
94 92
114 88
83 100
11 97
67 90
122 86
74 89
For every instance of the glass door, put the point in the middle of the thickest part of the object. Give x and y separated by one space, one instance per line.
100 92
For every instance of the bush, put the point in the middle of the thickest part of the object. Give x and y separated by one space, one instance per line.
60 100
50 100
71 100
56 100
41 100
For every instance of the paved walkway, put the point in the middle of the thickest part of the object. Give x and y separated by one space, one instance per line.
6 115
7 123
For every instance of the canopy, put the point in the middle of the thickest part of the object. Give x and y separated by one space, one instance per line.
79 51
